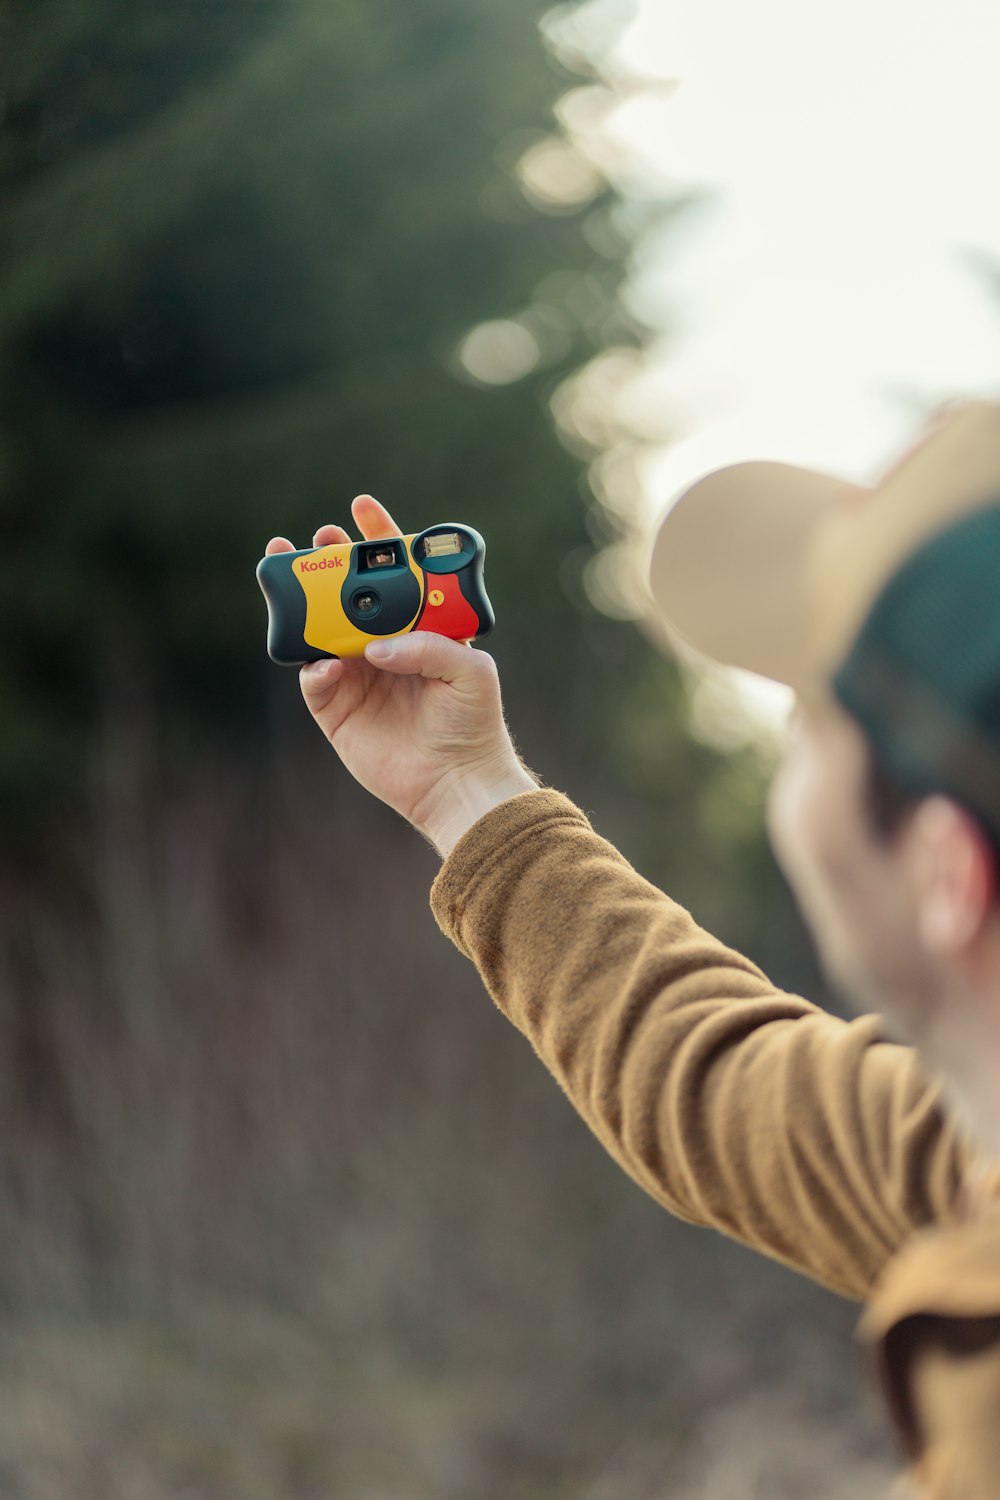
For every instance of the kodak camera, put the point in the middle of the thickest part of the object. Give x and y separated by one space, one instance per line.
331 601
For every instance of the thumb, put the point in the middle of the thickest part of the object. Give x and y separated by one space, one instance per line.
422 653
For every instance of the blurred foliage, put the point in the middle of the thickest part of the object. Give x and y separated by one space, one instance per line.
238 245
288 1210
238 248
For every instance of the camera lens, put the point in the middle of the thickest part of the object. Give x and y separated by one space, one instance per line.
365 602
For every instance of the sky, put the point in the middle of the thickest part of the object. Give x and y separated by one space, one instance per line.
825 297
853 151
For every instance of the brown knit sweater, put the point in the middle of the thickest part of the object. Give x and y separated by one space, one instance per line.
747 1109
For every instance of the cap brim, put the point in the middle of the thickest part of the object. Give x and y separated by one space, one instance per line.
727 565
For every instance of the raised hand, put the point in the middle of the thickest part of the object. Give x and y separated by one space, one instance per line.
419 720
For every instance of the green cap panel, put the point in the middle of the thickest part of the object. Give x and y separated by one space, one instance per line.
923 675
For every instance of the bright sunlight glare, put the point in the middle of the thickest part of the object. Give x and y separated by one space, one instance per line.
834 284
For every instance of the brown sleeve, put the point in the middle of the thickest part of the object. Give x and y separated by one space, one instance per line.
732 1103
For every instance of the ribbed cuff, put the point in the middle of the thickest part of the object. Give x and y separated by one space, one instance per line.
502 836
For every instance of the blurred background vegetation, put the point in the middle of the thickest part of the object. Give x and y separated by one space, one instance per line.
285 1207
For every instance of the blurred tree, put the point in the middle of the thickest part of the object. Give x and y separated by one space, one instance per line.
238 247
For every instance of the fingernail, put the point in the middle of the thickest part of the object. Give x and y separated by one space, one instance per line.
317 670
379 650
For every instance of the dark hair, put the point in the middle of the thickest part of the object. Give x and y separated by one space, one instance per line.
888 803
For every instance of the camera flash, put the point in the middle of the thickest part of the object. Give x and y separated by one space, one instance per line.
442 545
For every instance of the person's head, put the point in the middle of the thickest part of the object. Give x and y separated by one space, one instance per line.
881 608
899 888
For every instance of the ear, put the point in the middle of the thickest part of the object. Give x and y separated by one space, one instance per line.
952 873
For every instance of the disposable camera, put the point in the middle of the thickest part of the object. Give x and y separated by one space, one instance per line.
331 601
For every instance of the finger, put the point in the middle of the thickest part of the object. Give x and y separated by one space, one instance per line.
425 654
278 544
328 536
373 519
318 680
333 689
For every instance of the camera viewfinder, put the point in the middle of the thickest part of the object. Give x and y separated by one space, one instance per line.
383 555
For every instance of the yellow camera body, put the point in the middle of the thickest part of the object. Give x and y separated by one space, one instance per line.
331 601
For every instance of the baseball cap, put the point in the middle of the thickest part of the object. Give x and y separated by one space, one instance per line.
885 596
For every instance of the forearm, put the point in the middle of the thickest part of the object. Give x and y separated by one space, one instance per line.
733 1103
